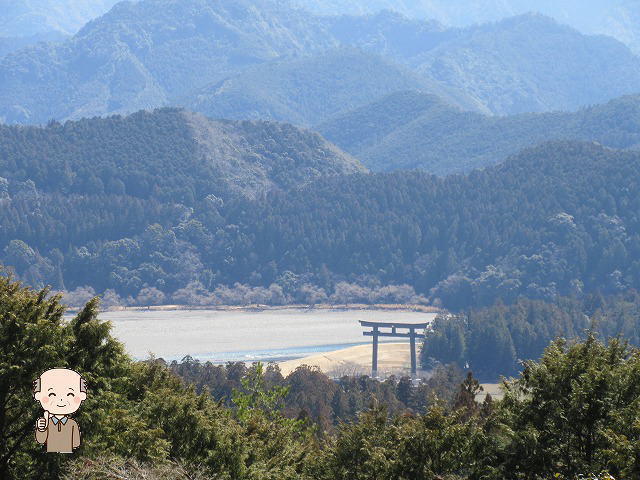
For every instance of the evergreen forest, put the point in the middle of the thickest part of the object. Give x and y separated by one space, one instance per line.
289 218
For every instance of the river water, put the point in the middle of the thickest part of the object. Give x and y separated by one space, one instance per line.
269 335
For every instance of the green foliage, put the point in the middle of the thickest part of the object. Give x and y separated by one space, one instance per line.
259 412
437 444
254 397
492 340
575 411
466 397
33 339
36 339
572 412
307 397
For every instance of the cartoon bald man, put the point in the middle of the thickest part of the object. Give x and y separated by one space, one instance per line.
60 391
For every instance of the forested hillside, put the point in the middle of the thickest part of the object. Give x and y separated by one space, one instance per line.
527 63
105 180
494 340
414 130
167 155
557 219
153 53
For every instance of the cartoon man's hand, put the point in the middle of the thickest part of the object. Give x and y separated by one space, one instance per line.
43 422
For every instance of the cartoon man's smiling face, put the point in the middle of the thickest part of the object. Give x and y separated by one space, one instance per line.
61 391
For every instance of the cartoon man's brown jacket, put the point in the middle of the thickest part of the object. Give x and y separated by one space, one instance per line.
61 435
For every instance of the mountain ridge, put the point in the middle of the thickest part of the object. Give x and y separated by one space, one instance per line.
617 18
311 89
414 130
131 155
160 52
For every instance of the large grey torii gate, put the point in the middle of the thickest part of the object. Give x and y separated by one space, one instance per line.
375 333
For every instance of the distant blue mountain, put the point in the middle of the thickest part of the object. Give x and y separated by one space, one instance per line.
266 59
312 89
13 44
26 18
141 55
408 130
617 18
530 63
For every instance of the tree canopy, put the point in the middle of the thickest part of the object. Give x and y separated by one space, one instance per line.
556 220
